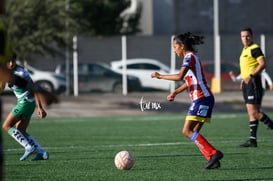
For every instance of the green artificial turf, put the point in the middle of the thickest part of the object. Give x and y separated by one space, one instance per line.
84 149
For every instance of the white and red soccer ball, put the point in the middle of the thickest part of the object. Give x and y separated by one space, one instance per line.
124 160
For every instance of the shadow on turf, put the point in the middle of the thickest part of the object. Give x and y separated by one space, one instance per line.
256 168
168 155
247 179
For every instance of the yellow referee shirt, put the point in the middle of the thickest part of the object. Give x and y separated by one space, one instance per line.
249 59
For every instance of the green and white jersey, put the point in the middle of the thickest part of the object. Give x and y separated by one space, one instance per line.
20 84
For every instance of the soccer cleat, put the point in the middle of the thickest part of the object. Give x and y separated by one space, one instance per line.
269 128
215 165
212 163
27 153
249 143
41 156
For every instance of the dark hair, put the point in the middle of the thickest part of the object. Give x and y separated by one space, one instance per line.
13 57
248 30
189 40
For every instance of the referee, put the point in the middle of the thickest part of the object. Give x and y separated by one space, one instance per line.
252 63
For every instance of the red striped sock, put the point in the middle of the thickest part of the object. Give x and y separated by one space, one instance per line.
205 147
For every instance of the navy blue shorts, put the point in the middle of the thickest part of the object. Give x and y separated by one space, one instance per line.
201 109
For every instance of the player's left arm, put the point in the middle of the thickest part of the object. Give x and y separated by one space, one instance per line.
40 110
259 56
180 89
23 74
260 67
5 74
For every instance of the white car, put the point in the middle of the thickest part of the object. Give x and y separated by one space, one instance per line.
50 81
142 68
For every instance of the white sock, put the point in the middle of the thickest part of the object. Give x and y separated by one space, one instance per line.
19 137
33 142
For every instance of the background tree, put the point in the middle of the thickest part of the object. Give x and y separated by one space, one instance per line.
37 26
102 17
40 26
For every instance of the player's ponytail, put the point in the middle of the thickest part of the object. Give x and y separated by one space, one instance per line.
189 40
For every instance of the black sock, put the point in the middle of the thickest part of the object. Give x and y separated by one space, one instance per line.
267 121
253 125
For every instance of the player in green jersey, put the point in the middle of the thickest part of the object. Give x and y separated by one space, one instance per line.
18 119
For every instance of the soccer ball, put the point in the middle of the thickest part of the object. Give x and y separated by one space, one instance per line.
124 160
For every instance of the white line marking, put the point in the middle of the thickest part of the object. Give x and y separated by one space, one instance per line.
135 118
106 146
123 145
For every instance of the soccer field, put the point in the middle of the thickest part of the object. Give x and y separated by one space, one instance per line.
84 149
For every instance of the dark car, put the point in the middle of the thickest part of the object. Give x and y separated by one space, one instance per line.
99 77
226 67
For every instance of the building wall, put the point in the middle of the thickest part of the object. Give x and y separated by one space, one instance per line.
163 16
175 16
146 20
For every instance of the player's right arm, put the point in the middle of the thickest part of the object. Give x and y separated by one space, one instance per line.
267 79
178 76
2 85
235 78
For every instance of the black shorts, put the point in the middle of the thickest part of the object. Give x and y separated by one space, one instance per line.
253 90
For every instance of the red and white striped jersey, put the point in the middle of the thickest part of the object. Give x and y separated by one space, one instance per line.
195 78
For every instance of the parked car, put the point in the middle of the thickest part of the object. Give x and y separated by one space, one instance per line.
226 67
50 81
99 77
142 68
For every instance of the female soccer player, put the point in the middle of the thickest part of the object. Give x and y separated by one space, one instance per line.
202 98
18 119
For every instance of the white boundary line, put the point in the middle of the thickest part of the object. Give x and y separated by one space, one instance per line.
136 118
108 146
123 145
